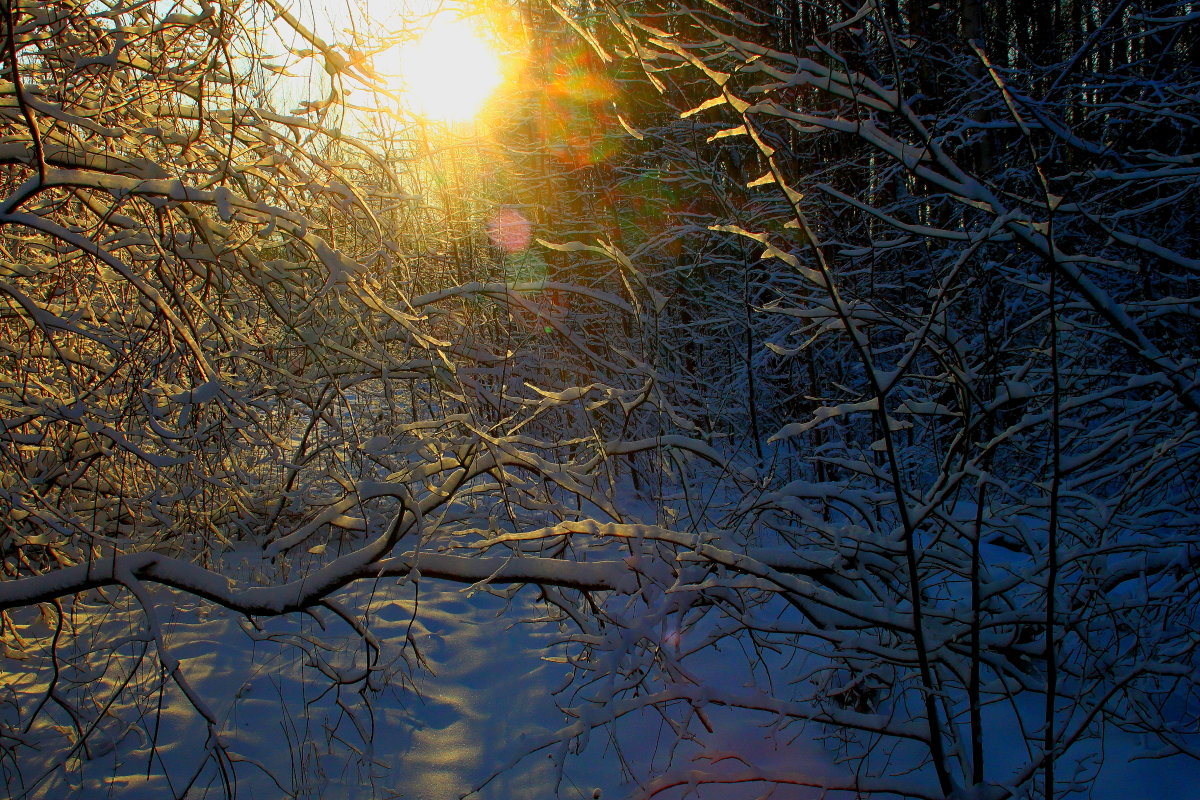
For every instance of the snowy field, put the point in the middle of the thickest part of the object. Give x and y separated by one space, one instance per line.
470 697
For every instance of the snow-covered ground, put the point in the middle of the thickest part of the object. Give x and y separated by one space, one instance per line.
435 730
465 704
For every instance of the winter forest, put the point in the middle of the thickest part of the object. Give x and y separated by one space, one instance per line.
497 399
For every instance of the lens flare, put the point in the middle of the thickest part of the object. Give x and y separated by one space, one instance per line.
510 230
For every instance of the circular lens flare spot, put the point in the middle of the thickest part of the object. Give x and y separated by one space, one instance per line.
510 230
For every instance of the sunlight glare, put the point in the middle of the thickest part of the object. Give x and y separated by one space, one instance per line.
449 72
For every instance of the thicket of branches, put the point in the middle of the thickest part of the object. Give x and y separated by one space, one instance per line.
254 358
918 285
967 319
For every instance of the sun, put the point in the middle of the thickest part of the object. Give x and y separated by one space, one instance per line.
448 73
